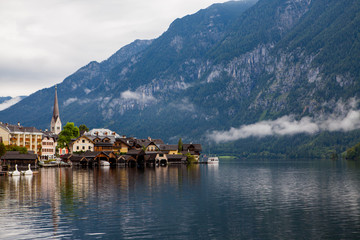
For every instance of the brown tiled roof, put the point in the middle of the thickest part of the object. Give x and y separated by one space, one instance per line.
134 152
147 142
101 138
175 157
103 144
126 157
17 128
15 155
90 154
76 158
127 141
166 147
197 147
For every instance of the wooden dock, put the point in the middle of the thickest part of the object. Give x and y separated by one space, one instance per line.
3 173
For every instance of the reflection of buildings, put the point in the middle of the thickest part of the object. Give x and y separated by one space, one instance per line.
59 195
49 185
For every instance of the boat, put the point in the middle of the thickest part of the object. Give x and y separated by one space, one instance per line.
27 172
104 163
211 160
54 164
15 173
48 164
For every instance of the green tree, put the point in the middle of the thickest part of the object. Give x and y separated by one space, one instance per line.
180 145
190 158
2 149
83 128
69 132
353 153
22 150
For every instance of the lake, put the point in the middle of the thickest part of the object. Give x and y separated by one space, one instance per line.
252 199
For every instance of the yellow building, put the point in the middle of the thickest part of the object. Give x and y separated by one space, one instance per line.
82 143
4 134
169 149
18 135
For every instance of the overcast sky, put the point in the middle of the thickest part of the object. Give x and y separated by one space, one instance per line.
44 41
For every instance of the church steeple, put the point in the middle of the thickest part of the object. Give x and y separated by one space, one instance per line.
55 121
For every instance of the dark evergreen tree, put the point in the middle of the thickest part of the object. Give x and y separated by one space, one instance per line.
180 145
2 149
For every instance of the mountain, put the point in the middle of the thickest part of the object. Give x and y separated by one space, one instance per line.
215 73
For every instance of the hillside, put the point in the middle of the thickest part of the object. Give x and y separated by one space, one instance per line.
223 68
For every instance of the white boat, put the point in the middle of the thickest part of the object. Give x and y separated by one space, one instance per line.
27 172
104 163
211 160
15 173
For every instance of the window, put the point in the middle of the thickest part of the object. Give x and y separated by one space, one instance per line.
83 147
83 141
77 148
89 147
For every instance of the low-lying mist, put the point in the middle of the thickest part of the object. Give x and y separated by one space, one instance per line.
345 118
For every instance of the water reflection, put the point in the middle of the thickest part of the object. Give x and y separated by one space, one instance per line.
233 200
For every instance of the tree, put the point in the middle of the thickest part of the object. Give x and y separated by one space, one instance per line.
69 132
353 153
2 149
83 128
190 158
22 150
180 145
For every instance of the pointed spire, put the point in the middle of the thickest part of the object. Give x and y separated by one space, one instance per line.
56 106
55 125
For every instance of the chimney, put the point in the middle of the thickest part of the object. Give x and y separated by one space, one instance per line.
149 138
19 124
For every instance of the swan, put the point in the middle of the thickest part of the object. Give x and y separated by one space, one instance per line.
16 172
28 172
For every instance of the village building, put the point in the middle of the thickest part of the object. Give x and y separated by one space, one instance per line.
50 138
101 132
20 136
12 158
176 159
81 144
193 149
48 143
91 158
148 144
169 149
122 145
4 134
55 125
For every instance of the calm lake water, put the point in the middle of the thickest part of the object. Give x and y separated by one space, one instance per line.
235 200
